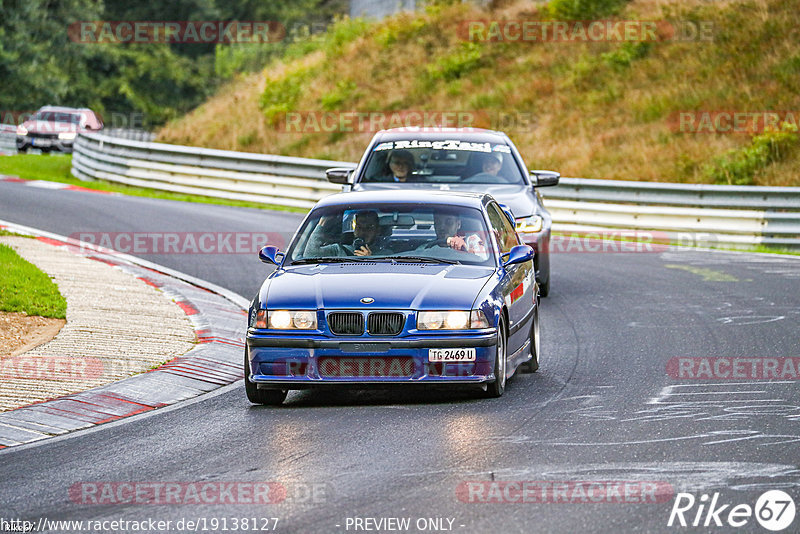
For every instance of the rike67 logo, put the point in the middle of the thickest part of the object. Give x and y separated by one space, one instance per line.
774 510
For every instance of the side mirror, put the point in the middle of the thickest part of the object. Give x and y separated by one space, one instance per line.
270 254
545 178
518 254
339 175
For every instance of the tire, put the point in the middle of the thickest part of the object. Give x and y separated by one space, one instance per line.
270 397
498 387
544 289
532 365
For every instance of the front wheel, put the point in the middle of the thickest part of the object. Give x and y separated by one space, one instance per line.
544 289
271 397
498 387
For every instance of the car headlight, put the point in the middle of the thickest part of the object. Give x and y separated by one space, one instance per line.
451 320
289 319
21 130
67 136
530 224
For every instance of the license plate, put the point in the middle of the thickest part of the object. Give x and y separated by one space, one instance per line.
40 142
451 355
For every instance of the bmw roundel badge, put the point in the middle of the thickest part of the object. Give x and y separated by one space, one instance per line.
367 300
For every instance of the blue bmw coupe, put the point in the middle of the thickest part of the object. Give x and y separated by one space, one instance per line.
392 288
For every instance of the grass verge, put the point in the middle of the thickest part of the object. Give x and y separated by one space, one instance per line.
56 168
25 288
4 232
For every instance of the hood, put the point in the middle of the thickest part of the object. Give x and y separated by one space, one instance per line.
50 127
398 286
518 197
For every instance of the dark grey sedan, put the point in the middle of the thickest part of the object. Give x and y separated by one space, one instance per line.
450 159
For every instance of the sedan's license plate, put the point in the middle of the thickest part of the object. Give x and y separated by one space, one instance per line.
41 142
451 355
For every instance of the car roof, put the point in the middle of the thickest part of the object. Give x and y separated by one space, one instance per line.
406 196
63 109
478 135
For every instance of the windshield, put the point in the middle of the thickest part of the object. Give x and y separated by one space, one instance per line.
57 116
387 232
448 161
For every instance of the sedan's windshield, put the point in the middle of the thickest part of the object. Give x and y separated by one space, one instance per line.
441 162
58 116
418 233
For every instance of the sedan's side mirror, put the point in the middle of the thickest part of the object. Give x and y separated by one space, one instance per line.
339 175
518 254
270 254
545 178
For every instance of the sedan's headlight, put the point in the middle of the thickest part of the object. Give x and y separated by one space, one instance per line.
291 319
21 130
451 320
530 224
67 136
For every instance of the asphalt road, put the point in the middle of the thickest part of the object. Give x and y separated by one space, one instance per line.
603 409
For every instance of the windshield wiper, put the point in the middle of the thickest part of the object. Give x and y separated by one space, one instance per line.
419 259
332 259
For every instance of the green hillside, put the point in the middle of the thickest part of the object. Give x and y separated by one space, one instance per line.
633 109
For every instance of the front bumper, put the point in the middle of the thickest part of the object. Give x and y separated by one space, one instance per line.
24 142
293 362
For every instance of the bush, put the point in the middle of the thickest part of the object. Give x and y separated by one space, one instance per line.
622 57
466 58
583 9
739 167
344 91
281 95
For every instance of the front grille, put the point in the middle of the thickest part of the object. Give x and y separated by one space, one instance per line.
371 367
384 324
43 135
346 323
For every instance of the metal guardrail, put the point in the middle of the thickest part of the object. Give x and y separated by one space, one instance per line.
728 215
129 133
688 195
278 180
8 139
732 216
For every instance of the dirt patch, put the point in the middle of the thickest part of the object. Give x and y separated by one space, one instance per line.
20 332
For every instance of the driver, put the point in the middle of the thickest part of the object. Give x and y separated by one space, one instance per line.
490 167
447 227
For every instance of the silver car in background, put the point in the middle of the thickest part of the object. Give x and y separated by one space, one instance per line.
452 159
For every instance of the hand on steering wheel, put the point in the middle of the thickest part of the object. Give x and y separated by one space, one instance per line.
457 243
